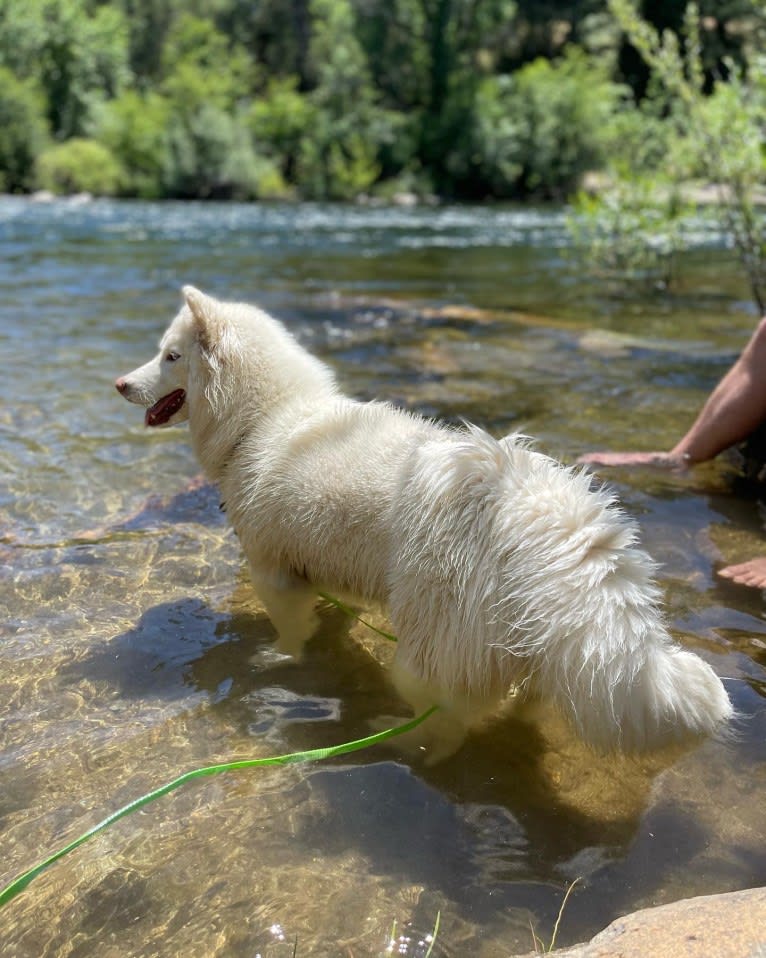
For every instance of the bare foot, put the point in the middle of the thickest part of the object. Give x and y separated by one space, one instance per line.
751 573
665 460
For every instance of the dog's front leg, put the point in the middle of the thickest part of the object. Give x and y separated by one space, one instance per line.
289 603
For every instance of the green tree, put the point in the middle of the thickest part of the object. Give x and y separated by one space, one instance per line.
633 232
201 64
79 59
280 120
562 108
722 136
723 40
134 127
79 166
276 33
536 131
23 131
338 159
431 57
207 78
149 23
211 156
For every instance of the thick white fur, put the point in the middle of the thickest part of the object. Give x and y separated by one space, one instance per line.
499 567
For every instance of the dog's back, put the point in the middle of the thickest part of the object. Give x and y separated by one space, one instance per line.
313 491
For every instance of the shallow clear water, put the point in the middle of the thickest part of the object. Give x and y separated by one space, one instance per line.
133 649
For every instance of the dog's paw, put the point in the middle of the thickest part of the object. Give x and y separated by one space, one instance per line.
290 647
411 744
292 641
438 738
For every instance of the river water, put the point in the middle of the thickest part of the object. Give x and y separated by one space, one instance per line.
133 649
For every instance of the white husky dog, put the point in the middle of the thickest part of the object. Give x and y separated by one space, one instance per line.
499 567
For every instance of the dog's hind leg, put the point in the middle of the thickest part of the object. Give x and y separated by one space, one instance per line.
441 735
290 604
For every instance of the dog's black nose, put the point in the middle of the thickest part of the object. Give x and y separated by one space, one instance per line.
120 385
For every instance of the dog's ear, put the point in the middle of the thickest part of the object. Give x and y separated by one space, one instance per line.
217 340
204 311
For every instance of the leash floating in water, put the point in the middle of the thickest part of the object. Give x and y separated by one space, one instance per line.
312 755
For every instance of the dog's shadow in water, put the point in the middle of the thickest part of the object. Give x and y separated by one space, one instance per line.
543 797
562 796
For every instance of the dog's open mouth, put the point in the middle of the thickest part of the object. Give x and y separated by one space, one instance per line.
163 409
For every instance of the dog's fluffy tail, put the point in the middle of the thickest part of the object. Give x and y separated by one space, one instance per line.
664 696
605 657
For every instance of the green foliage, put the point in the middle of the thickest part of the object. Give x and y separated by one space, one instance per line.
534 132
202 65
731 123
79 59
133 127
276 33
23 131
207 150
149 22
633 231
562 108
280 120
721 137
498 137
339 159
392 35
689 127
79 166
456 46
335 167
211 156
190 140
329 99
637 136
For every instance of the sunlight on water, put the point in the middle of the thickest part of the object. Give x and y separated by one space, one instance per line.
133 648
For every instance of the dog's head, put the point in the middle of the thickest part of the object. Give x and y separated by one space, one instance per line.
189 355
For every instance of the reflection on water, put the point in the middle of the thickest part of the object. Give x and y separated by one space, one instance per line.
133 648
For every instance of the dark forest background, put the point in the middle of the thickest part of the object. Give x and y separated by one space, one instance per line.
333 99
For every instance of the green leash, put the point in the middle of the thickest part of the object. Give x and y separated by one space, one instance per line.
312 755
349 611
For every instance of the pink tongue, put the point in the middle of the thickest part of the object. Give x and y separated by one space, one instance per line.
164 408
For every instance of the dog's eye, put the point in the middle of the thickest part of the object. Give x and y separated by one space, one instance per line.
172 357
